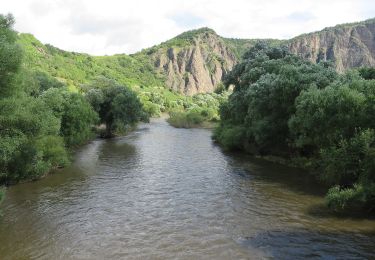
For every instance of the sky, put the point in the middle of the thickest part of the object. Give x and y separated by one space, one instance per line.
105 27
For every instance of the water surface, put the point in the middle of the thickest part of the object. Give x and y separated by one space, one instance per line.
166 193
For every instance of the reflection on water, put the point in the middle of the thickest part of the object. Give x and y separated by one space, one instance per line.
168 193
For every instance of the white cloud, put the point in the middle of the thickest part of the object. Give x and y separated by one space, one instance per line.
124 26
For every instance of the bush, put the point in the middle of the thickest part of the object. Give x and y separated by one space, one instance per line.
185 119
52 151
194 117
350 161
153 110
230 137
343 200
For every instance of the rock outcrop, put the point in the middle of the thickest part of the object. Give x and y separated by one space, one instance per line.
197 67
348 45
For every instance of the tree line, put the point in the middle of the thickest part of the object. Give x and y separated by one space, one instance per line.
309 114
41 120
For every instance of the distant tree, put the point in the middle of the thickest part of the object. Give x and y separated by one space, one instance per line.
118 106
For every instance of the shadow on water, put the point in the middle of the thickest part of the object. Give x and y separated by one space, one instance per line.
117 147
321 210
302 244
88 165
297 180
294 179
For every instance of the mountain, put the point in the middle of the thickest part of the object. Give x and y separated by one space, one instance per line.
347 45
196 61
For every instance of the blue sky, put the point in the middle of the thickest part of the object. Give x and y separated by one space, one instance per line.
126 26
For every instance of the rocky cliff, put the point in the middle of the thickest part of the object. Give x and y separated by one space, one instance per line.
194 62
348 45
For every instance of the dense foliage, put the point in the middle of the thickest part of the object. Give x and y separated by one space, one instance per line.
41 118
202 111
75 113
283 105
118 106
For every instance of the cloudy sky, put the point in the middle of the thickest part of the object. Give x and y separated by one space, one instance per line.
122 26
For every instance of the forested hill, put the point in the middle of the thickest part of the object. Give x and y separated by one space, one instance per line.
196 61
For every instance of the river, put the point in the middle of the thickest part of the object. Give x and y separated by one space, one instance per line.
167 193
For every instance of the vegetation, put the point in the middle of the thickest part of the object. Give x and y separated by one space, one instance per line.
118 106
75 69
201 111
75 113
41 118
285 106
48 63
2 194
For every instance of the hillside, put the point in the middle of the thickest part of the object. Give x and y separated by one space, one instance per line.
78 68
196 61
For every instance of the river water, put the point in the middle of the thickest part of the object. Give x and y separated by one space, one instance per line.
167 193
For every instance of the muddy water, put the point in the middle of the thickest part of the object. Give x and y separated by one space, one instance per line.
166 193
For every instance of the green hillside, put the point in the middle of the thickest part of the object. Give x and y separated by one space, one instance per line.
77 68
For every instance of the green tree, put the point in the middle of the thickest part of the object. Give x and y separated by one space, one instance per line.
285 106
118 106
25 125
77 116
30 144
266 84
10 55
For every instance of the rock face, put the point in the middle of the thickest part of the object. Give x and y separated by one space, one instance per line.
196 61
197 67
348 46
